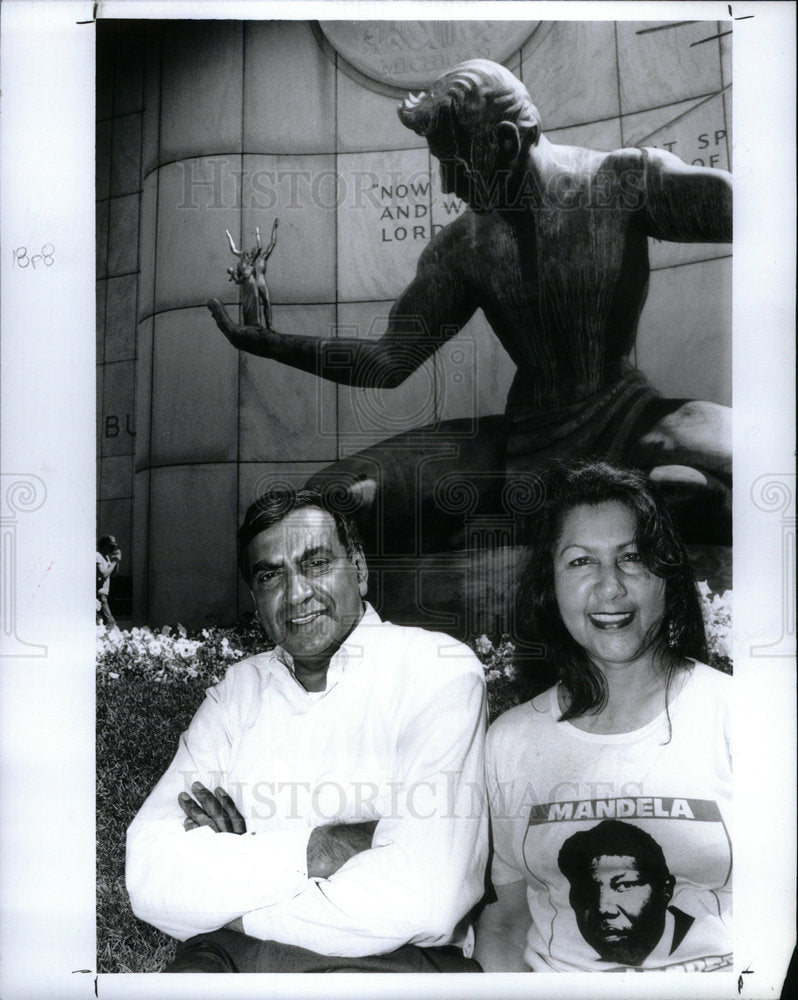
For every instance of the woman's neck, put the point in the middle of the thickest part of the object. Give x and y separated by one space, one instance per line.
636 695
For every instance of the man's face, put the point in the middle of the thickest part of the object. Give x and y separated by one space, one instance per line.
307 591
619 912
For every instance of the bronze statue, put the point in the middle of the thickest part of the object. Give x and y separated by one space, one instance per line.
555 252
250 275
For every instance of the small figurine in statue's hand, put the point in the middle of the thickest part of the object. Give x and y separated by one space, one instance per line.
250 274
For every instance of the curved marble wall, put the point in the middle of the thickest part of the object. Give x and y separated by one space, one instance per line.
208 126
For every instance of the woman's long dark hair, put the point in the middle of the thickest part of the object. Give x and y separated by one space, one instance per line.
681 633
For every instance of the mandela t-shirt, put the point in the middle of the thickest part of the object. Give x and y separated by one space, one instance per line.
623 840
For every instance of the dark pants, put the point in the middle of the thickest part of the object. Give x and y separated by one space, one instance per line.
230 951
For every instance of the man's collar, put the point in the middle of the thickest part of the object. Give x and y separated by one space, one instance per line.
349 653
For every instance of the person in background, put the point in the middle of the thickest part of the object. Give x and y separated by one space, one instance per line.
610 792
108 558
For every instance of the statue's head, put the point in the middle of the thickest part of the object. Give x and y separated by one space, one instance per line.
477 119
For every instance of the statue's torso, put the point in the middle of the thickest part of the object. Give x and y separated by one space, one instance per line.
562 283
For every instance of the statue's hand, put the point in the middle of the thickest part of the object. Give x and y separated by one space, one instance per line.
254 339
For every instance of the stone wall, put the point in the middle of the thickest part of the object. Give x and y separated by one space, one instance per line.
208 126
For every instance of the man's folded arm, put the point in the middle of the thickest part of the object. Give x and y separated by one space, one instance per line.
188 882
425 870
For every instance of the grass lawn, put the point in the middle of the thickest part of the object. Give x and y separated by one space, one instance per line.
138 723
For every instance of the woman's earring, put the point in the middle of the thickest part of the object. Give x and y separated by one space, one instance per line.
673 633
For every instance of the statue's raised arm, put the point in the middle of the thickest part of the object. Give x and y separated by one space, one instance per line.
430 311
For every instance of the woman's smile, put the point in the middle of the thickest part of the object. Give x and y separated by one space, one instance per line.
609 601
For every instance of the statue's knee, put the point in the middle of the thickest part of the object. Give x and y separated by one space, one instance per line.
696 435
686 480
683 475
348 491
698 421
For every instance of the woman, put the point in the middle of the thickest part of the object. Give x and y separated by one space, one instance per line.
611 791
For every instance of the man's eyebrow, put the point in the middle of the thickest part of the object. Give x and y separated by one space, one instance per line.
263 565
316 550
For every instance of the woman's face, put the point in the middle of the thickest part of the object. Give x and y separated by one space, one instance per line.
609 601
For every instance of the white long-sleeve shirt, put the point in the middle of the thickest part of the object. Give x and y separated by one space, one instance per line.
397 736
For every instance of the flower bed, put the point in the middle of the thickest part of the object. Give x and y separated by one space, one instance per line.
717 610
172 655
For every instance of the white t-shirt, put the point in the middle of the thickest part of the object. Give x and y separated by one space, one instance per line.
650 887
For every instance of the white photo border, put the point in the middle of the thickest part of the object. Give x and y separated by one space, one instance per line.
47 318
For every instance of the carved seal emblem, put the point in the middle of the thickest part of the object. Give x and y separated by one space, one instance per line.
403 55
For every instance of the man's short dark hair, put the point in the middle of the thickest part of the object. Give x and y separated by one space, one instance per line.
611 838
107 544
275 505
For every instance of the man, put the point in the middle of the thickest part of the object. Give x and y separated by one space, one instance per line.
326 799
555 252
620 891
108 558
